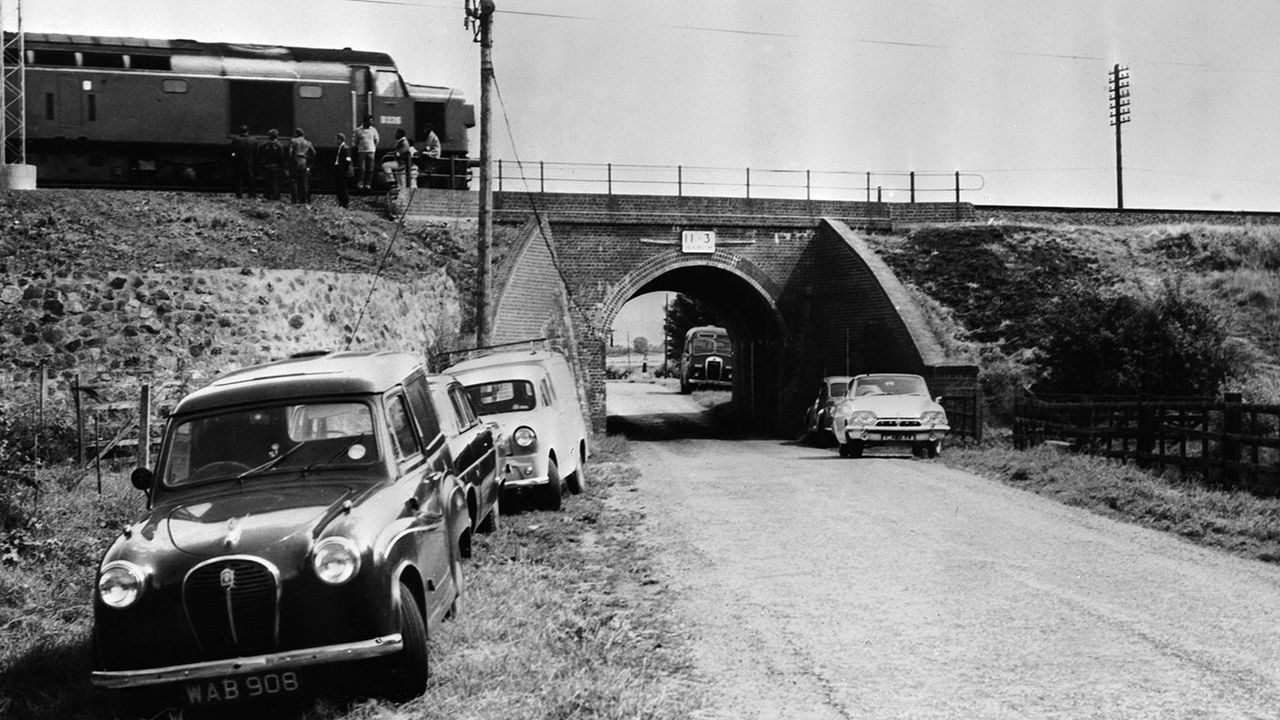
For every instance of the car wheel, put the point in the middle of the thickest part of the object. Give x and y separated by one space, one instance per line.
934 449
493 521
553 492
844 450
406 674
464 544
685 387
853 448
577 481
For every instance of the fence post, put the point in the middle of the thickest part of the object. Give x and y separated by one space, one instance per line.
609 177
75 396
913 186
868 186
679 181
542 177
144 427
1231 427
748 183
1146 441
499 174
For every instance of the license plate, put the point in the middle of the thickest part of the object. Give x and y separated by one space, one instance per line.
241 687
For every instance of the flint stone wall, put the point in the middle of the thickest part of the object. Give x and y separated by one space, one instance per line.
177 331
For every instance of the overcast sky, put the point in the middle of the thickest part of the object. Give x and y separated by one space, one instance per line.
1011 93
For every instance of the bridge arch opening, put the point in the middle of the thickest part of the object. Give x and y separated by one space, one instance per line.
747 310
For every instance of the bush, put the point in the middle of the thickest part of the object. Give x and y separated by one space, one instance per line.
1169 344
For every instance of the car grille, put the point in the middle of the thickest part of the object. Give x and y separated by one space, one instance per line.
715 369
231 605
898 423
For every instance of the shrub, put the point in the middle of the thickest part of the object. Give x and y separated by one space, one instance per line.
1169 344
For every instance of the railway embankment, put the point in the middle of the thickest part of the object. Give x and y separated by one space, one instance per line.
113 289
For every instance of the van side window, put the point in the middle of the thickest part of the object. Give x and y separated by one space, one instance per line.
402 432
420 403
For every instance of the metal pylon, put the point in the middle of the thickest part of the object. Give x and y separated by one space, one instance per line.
13 67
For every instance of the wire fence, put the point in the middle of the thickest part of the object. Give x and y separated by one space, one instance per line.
704 181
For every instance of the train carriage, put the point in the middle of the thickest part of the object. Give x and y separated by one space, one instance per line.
136 112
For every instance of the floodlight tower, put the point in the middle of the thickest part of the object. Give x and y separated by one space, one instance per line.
1119 91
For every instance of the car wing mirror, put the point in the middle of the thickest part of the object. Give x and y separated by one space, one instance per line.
142 478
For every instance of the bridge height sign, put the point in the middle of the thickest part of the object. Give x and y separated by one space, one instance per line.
698 241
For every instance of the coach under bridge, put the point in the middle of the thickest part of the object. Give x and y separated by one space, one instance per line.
802 294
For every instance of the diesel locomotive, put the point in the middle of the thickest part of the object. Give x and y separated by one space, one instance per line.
133 112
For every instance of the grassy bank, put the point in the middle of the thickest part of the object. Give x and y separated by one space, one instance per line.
1233 521
561 616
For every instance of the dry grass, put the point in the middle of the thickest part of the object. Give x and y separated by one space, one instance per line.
561 618
1234 521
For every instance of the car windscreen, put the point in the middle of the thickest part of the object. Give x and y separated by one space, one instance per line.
271 439
891 385
839 389
503 396
705 345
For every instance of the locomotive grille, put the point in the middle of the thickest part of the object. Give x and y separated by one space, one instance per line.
715 368
231 605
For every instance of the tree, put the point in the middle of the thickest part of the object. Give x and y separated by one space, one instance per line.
640 344
683 313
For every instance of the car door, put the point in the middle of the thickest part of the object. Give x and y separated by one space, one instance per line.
428 534
477 438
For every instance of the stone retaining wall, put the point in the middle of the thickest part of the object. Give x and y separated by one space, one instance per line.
176 331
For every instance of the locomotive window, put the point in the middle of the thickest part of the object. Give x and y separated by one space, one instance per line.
48 106
53 57
309 91
92 107
103 60
149 62
174 86
388 83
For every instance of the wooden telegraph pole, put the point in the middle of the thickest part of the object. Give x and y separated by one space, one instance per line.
480 18
1119 90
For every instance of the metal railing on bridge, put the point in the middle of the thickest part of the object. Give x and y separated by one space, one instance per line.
693 180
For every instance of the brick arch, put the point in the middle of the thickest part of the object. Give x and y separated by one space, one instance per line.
629 285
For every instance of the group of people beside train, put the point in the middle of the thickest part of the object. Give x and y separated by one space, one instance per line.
277 161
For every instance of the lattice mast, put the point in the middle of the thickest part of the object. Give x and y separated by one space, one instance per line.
13 59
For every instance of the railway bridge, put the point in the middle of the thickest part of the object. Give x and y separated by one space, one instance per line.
802 294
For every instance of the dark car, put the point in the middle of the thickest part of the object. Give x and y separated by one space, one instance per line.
816 426
302 513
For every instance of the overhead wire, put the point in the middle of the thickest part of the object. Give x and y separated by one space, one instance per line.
377 274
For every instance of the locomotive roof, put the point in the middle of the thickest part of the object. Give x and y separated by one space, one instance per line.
215 49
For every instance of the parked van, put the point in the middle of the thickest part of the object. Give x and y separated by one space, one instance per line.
532 396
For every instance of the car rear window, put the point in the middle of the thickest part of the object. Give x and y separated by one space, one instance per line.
502 397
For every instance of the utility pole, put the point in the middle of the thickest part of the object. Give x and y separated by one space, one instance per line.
1119 92
480 19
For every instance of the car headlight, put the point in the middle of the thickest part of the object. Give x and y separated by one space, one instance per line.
120 583
934 417
524 437
862 417
336 560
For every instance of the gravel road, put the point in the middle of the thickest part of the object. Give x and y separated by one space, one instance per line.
818 587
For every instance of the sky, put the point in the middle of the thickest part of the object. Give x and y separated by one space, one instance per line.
1010 93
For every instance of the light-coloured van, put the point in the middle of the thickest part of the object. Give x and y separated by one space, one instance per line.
532 396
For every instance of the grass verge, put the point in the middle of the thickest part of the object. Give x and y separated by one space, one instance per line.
562 615
1230 520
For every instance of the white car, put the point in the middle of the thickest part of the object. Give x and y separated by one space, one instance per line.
532 397
889 409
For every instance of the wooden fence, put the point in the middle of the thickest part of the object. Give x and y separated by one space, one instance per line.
964 414
1227 442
